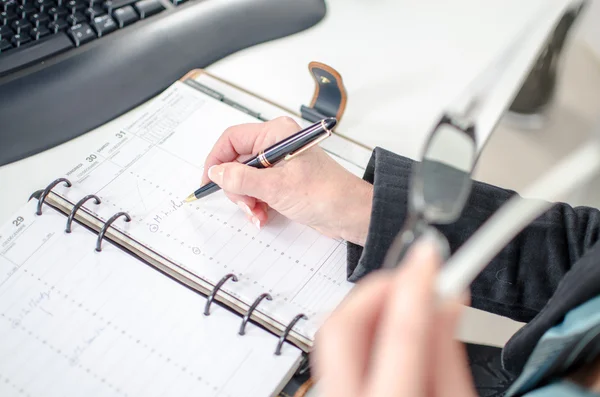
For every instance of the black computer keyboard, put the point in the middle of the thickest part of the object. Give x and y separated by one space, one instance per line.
31 30
69 66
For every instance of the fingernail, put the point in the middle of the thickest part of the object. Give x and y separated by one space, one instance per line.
215 173
244 208
256 222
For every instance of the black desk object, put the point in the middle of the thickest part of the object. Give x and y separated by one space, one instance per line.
55 100
485 362
490 379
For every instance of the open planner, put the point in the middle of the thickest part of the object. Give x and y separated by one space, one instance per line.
111 285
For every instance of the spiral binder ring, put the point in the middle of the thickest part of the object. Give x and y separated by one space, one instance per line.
287 331
107 225
76 207
47 190
211 297
249 312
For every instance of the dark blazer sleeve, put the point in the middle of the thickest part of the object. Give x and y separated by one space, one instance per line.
520 279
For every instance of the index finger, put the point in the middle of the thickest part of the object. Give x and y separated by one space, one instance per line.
247 139
343 345
400 355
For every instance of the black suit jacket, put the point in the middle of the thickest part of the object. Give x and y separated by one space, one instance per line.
549 268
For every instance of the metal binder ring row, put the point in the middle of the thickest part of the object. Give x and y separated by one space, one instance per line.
288 329
212 295
246 317
76 208
250 310
107 225
47 190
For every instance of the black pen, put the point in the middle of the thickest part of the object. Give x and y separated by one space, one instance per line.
284 150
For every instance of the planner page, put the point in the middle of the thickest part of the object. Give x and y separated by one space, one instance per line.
154 161
76 322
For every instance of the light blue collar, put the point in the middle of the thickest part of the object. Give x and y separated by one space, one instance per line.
575 340
561 389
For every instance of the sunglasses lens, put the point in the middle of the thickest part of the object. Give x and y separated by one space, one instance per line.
445 173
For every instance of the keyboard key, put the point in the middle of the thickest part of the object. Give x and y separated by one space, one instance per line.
21 26
5 45
81 34
58 25
39 18
39 32
6 32
48 46
73 6
7 5
6 17
112 5
57 12
177 2
147 8
76 19
125 16
104 25
94 12
20 39
24 11
43 5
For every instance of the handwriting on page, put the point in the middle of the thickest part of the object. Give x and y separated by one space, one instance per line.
153 169
165 213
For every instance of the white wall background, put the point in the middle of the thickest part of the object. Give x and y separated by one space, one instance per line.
589 29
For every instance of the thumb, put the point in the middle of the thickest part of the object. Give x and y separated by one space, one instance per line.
241 179
450 365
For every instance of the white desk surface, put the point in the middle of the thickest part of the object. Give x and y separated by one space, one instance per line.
402 61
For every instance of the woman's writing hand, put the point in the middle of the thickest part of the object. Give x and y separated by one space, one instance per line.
312 188
389 338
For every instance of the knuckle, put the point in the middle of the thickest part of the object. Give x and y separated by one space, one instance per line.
228 131
287 123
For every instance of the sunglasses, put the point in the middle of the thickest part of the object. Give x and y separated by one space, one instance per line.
440 184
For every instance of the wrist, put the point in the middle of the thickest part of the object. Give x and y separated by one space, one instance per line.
355 214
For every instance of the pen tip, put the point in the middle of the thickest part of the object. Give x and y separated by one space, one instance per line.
189 198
